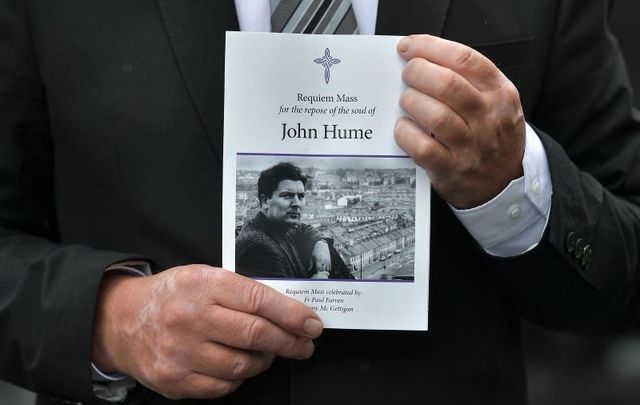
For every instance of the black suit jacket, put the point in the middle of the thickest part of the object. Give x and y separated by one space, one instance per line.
110 142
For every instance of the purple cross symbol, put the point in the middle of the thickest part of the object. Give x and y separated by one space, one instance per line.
327 61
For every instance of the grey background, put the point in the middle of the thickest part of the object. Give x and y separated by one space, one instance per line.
562 369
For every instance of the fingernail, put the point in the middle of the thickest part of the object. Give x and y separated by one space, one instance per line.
310 349
313 327
403 45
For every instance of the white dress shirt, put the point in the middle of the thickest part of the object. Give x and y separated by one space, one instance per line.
511 223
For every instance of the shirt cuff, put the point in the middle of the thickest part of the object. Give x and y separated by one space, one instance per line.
514 221
113 387
115 391
134 268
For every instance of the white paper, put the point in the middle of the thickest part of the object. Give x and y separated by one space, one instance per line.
335 122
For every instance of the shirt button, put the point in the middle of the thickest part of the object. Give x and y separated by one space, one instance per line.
515 212
535 186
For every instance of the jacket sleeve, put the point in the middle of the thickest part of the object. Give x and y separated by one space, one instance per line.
583 276
47 290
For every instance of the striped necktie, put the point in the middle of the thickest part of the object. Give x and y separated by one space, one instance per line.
313 16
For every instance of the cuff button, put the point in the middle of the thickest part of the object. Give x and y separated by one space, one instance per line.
586 257
570 243
515 212
579 249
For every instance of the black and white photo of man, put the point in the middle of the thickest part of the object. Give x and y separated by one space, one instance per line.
275 244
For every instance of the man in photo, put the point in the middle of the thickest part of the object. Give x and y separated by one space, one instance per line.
275 244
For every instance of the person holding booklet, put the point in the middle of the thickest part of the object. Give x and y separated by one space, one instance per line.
111 117
275 243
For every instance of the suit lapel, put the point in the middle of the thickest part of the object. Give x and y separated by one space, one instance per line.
196 30
411 17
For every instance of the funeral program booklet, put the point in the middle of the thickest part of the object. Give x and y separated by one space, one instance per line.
318 200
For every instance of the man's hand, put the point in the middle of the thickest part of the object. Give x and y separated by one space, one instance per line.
197 331
465 125
320 265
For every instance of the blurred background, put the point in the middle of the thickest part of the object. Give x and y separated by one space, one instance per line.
562 369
